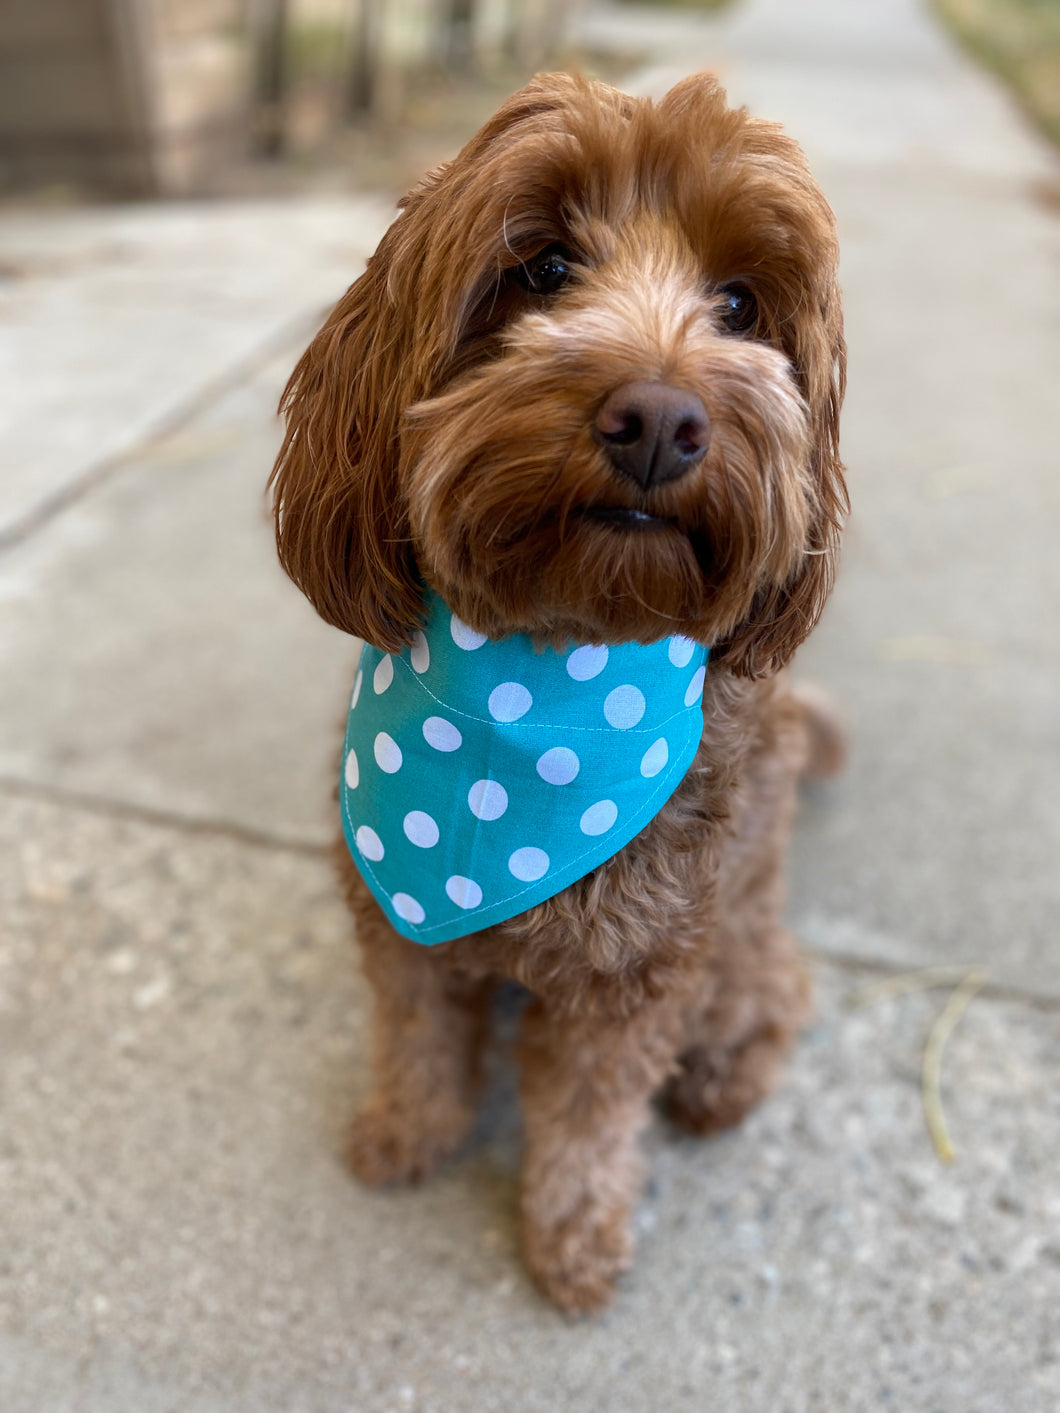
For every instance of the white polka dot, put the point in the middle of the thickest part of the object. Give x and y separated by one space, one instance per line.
558 766
587 662
463 636
695 687
407 908
599 818
353 771
624 707
487 799
528 864
420 657
387 753
509 701
357 682
464 892
680 651
654 758
383 674
441 734
420 829
369 843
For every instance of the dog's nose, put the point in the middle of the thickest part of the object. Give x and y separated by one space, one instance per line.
652 432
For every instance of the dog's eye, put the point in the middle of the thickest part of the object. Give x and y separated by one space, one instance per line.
547 272
739 308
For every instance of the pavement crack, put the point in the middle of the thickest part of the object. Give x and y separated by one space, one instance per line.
265 839
166 819
48 508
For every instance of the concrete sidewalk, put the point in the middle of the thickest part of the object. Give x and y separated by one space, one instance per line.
181 1023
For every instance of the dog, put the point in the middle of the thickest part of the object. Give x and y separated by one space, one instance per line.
583 401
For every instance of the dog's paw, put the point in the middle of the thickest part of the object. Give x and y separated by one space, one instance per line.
386 1145
576 1262
715 1088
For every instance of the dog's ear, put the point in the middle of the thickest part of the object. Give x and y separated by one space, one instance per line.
782 616
341 517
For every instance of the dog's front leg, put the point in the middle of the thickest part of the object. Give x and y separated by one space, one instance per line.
428 1028
586 1087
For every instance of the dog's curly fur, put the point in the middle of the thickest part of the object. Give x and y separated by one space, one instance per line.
440 434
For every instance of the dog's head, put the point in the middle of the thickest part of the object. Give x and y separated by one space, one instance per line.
588 388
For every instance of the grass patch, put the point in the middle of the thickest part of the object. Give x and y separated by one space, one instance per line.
1020 40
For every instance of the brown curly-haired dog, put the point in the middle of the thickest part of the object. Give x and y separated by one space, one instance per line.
588 390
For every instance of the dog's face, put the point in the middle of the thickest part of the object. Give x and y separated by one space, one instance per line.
588 388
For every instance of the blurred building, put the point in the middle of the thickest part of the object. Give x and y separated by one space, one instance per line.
129 95
146 97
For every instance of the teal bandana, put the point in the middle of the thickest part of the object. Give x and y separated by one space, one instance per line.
480 778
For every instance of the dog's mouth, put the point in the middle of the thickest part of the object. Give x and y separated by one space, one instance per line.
626 517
